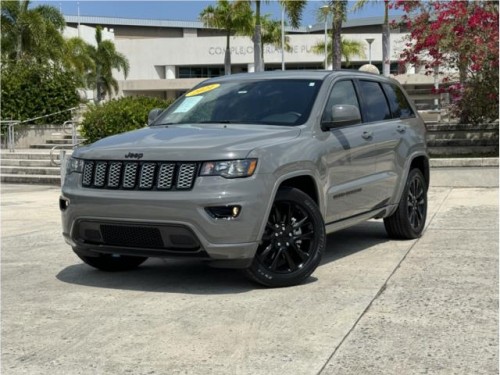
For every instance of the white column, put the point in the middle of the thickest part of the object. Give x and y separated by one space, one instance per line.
170 71
251 68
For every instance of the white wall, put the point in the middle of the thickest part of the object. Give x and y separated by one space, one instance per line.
87 33
145 54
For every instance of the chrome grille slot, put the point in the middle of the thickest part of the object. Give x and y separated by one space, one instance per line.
129 175
147 175
114 174
100 174
88 171
185 176
165 176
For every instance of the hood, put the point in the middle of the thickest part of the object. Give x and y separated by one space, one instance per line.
188 142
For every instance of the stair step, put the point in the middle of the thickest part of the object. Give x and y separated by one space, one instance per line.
62 141
461 142
14 170
26 163
31 179
49 146
32 154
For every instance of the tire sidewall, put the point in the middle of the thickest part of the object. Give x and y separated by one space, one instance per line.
269 278
403 205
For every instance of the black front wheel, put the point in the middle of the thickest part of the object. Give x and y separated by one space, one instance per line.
409 219
293 241
112 262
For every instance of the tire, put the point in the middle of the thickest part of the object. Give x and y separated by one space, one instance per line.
112 263
293 242
408 221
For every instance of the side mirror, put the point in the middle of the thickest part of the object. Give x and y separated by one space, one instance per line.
342 115
153 115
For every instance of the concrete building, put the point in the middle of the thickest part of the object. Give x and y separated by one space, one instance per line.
167 58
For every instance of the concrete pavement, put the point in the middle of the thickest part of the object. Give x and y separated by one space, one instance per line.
374 306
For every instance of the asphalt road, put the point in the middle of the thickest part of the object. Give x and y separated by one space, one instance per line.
374 306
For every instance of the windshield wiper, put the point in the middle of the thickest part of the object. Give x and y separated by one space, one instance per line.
217 122
163 123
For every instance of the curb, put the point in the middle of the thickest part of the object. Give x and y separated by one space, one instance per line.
464 162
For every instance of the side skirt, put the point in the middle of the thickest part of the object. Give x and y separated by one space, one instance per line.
353 220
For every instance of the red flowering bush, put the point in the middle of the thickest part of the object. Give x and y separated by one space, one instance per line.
457 36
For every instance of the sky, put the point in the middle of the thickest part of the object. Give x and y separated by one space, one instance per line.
187 10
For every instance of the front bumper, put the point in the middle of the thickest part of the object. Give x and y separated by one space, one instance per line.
170 213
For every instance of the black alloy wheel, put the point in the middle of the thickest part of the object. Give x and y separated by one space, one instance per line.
293 241
416 203
408 221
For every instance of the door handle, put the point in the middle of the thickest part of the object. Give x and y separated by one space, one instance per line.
367 134
401 128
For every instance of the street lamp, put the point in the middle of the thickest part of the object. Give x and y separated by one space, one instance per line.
325 9
282 37
370 41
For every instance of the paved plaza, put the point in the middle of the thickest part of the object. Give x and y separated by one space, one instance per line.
374 305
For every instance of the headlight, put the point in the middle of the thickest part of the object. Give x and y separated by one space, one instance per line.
229 168
74 165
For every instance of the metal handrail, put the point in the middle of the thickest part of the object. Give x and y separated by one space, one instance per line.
62 154
11 132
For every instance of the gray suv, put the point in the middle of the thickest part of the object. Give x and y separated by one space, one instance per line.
251 171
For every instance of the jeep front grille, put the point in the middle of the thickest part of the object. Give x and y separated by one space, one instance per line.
139 175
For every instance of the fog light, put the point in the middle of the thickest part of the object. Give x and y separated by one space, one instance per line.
224 212
63 203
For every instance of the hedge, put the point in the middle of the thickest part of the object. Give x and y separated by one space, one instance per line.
118 116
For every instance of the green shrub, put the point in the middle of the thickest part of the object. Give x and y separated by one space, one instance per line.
31 90
118 116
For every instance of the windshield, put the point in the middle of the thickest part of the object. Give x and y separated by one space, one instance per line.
267 102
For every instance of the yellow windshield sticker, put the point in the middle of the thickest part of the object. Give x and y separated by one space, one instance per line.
203 89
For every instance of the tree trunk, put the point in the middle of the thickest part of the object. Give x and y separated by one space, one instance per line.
386 50
19 46
98 84
336 44
338 8
257 40
386 42
227 56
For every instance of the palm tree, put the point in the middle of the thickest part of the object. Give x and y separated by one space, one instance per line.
31 33
339 10
293 10
349 49
232 17
271 34
106 58
386 35
78 58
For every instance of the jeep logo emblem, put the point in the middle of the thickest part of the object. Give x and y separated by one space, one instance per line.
133 156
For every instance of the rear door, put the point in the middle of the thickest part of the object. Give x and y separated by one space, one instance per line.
386 128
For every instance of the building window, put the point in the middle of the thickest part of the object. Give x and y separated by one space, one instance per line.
200 71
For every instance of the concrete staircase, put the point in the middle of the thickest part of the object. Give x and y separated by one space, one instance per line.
33 165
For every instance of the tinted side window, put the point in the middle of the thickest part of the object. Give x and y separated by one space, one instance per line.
399 105
376 107
342 93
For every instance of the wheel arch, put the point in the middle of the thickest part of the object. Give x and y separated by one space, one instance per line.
421 162
418 160
304 181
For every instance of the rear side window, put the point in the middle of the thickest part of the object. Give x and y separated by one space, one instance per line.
376 107
400 107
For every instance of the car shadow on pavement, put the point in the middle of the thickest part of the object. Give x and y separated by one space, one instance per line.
195 277
354 239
